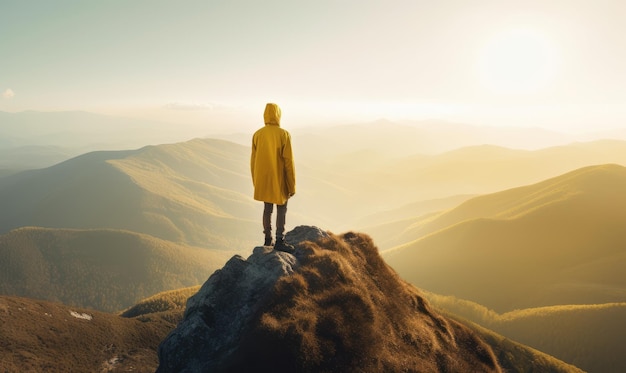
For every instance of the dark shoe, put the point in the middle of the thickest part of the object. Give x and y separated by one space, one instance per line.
268 241
283 246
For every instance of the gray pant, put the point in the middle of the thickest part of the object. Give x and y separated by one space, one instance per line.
280 220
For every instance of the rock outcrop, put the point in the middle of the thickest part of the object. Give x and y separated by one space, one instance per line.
333 306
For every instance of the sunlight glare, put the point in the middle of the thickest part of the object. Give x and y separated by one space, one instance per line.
519 61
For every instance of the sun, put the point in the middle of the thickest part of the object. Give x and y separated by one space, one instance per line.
519 61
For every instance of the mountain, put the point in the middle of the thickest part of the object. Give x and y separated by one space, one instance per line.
197 192
106 270
29 157
560 241
484 169
398 139
355 184
475 169
333 306
90 131
53 337
590 336
339 167
85 131
390 225
481 170
175 191
40 336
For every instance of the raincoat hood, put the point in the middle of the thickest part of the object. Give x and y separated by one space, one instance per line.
272 114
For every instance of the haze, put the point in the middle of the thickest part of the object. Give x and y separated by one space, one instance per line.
480 144
213 65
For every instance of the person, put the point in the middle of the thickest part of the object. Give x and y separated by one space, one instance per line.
273 174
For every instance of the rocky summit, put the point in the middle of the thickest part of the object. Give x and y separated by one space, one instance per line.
333 306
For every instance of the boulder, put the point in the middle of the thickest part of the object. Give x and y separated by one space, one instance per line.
334 305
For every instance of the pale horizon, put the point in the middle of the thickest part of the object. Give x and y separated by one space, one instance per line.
558 66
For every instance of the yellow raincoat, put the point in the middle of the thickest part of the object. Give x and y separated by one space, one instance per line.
271 162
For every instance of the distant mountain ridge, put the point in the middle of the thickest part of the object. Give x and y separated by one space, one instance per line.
87 131
560 241
30 157
337 169
487 169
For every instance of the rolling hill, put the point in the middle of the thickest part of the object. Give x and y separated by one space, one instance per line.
52 337
514 356
589 336
364 169
367 187
557 242
177 191
197 192
485 169
106 270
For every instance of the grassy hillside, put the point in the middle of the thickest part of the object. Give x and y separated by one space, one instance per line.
198 192
52 337
501 205
512 356
589 336
39 336
557 242
167 301
517 357
201 189
106 270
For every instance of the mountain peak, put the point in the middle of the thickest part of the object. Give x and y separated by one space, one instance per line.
333 306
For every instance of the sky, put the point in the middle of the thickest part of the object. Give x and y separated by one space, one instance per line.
558 64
